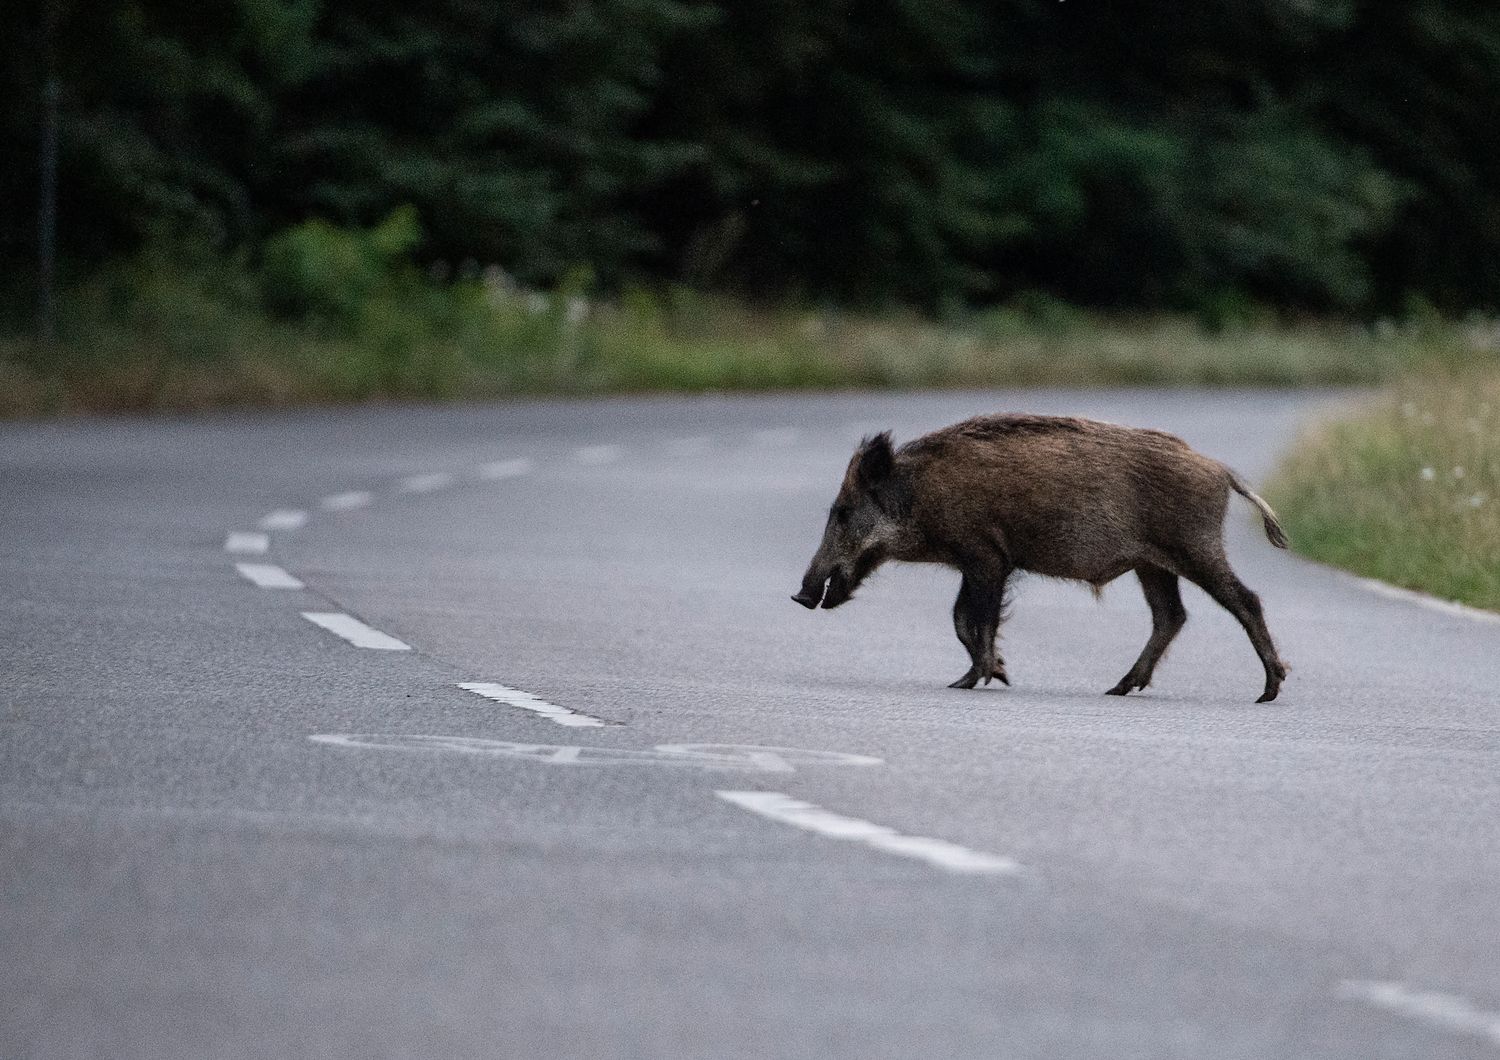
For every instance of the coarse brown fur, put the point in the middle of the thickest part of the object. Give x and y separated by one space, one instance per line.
1065 497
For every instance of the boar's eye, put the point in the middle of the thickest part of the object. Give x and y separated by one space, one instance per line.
840 514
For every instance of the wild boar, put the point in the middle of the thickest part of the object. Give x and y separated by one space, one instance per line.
1064 497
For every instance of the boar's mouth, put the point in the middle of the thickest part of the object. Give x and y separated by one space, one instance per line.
813 584
843 581
810 595
838 586
839 590
809 598
835 592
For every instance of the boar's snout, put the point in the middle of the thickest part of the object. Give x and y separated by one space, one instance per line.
811 593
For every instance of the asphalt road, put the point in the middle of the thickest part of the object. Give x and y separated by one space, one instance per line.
1038 871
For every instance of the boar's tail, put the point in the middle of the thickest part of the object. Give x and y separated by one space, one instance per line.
1273 525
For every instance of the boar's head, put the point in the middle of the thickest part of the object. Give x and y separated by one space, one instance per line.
862 526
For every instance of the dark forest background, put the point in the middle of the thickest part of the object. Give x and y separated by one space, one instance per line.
1320 155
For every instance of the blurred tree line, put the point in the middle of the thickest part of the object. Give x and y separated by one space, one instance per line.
1327 155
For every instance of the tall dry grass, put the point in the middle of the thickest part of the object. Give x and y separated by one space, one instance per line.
1407 490
158 339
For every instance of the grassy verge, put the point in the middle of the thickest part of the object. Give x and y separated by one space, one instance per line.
330 326
1407 490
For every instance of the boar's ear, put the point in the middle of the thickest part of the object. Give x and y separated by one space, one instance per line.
876 460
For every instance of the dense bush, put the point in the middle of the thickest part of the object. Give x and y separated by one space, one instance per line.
316 269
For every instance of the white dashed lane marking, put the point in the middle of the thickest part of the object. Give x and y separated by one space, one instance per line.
594 455
268 576
355 631
346 502
500 469
247 542
526 701
427 483
1444 1011
937 852
284 519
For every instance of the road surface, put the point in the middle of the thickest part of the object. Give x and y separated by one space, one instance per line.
229 829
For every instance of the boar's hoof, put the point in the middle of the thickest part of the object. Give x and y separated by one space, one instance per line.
1124 688
1273 681
968 680
999 675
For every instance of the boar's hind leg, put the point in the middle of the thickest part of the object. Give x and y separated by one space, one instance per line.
1216 579
1167 617
976 620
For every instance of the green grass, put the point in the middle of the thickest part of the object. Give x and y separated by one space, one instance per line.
1406 490
153 335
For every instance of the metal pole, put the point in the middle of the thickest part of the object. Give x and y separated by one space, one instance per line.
46 236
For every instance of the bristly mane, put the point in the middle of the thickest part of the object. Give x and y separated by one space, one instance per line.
1000 425
1013 424
1020 423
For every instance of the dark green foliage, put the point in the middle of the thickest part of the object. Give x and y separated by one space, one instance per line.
846 150
319 270
1305 154
163 106
510 125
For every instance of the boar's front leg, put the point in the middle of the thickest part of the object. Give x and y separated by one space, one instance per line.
976 620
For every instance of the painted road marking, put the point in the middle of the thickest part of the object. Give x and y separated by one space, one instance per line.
268 576
771 759
937 852
355 631
346 502
526 701
1446 1011
499 469
429 482
776 436
747 757
1432 603
594 455
248 542
284 519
